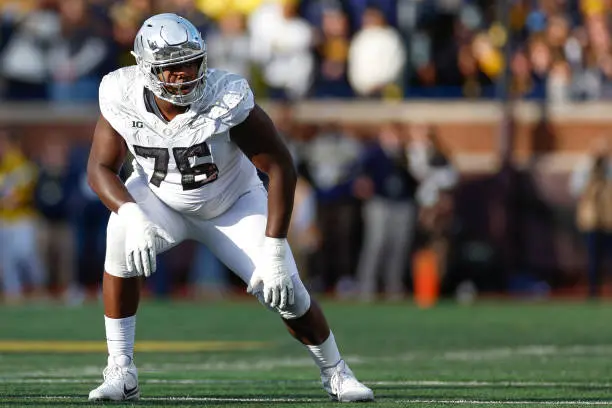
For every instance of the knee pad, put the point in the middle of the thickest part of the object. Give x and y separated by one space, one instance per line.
114 262
300 305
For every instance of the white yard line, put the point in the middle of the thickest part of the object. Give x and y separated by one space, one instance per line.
532 350
398 383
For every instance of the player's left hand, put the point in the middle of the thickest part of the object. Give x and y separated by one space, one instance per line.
273 275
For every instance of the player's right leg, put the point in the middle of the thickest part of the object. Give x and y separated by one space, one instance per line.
121 293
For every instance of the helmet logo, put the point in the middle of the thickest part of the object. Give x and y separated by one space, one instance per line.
174 36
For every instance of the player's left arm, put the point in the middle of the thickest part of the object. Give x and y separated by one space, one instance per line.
257 137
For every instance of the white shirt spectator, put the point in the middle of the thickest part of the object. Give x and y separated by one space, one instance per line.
283 47
25 57
376 58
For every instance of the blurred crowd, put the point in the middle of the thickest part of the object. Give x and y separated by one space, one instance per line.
360 200
291 49
380 212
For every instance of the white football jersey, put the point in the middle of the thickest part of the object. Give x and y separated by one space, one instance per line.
190 162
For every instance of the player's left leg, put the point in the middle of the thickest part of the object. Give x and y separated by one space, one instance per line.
312 330
235 237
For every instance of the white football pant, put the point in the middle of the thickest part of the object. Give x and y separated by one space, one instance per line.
234 237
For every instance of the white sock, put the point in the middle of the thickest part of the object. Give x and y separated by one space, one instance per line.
120 335
325 354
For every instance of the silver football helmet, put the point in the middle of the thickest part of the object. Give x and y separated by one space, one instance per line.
164 40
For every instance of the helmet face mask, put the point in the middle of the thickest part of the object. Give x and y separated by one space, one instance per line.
164 42
165 72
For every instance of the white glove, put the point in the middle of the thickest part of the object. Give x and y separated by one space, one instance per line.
273 274
140 236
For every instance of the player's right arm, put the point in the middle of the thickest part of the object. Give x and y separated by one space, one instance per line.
108 152
107 155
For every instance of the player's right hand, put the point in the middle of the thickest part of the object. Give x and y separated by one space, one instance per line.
140 237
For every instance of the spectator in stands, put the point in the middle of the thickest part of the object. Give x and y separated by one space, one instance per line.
388 189
376 56
304 235
521 82
229 46
281 43
540 58
20 261
489 57
52 198
431 164
24 59
127 17
79 57
451 48
142 8
215 9
327 161
591 184
12 12
473 77
559 83
88 218
332 54
189 10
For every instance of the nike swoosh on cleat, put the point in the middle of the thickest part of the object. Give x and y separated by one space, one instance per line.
129 392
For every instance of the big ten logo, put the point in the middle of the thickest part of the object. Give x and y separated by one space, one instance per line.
137 124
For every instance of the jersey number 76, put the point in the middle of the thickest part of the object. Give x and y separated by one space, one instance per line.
192 177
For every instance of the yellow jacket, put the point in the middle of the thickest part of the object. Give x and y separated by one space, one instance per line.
17 182
594 212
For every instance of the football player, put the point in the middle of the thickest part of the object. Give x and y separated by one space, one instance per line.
197 137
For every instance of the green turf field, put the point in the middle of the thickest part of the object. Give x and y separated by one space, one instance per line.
226 355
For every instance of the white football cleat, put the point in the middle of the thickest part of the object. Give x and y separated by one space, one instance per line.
341 384
120 383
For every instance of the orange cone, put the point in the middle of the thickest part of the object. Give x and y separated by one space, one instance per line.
426 280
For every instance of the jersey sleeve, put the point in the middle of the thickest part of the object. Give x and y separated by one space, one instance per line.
109 98
241 100
234 102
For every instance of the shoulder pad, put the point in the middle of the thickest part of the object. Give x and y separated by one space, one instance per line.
230 99
115 90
